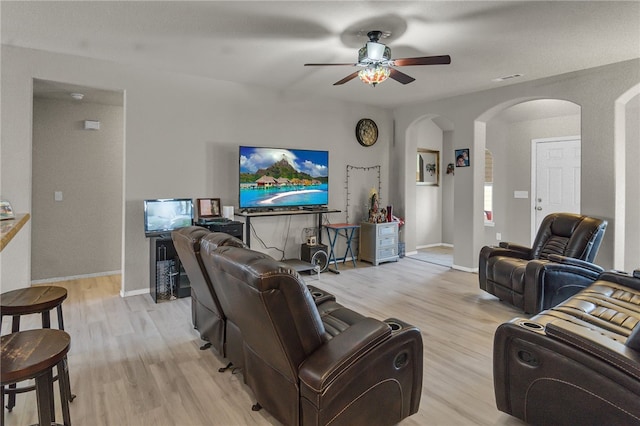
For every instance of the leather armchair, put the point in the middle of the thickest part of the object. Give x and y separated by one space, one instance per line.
577 363
558 265
206 313
352 371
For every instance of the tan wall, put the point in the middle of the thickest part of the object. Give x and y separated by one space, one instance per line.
81 234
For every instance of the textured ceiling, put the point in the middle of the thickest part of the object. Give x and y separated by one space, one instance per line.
266 43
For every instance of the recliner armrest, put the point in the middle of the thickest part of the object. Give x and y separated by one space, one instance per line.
556 258
515 247
337 354
548 283
593 342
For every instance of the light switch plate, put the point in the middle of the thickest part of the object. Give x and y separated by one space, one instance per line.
520 194
57 195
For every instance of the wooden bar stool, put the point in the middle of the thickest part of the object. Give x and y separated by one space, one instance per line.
26 301
33 300
32 354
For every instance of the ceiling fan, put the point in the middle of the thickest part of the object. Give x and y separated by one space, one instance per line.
375 60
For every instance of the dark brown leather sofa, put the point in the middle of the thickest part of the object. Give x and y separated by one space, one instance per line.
558 264
207 314
311 363
577 363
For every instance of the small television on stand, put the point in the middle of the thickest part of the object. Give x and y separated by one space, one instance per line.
163 215
283 179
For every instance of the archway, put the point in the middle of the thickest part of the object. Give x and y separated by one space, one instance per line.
627 196
508 130
430 226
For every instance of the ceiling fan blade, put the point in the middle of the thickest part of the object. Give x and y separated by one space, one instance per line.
347 78
329 65
425 60
400 76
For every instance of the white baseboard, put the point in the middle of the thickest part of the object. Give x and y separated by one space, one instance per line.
434 245
134 292
465 269
409 253
75 277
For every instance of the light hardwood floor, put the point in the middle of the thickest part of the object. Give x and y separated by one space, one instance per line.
133 362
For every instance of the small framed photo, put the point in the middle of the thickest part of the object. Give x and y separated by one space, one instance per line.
462 157
209 208
6 211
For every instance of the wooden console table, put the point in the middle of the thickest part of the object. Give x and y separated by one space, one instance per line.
248 215
10 228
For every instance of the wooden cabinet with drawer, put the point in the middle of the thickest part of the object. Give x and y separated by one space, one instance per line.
378 242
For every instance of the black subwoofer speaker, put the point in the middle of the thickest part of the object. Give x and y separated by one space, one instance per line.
315 254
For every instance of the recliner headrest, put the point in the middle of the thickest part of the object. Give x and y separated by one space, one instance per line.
220 239
564 225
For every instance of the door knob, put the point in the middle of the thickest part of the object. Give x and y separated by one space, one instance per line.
538 208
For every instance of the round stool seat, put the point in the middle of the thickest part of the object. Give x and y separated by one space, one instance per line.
32 300
26 354
32 354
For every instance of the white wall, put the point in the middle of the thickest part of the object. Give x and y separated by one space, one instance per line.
181 139
428 212
632 213
512 163
447 184
82 234
595 90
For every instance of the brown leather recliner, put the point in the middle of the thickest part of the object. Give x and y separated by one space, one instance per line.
577 363
557 266
207 314
363 372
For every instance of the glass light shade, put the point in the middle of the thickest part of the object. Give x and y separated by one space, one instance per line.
374 75
375 51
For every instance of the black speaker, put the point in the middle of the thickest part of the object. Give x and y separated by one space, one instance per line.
316 254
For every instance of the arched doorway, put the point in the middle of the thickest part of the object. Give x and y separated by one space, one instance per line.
627 150
430 228
509 132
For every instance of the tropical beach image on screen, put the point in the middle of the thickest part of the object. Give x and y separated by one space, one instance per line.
275 177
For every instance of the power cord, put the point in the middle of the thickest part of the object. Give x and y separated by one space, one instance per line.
255 234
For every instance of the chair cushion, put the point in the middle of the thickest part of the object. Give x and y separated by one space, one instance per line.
554 245
508 272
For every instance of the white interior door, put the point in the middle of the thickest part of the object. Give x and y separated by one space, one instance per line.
555 178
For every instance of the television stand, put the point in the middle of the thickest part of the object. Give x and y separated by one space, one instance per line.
248 215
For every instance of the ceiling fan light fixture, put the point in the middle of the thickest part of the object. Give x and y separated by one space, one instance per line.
373 52
374 74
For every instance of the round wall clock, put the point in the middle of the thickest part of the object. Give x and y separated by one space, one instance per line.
366 132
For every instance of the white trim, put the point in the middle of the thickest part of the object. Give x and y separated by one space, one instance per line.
465 269
134 292
532 192
409 253
75 277
433 245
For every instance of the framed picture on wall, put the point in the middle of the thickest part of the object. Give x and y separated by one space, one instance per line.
462 157
209 208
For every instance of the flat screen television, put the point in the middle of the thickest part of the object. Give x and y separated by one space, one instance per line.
161 216
274 178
